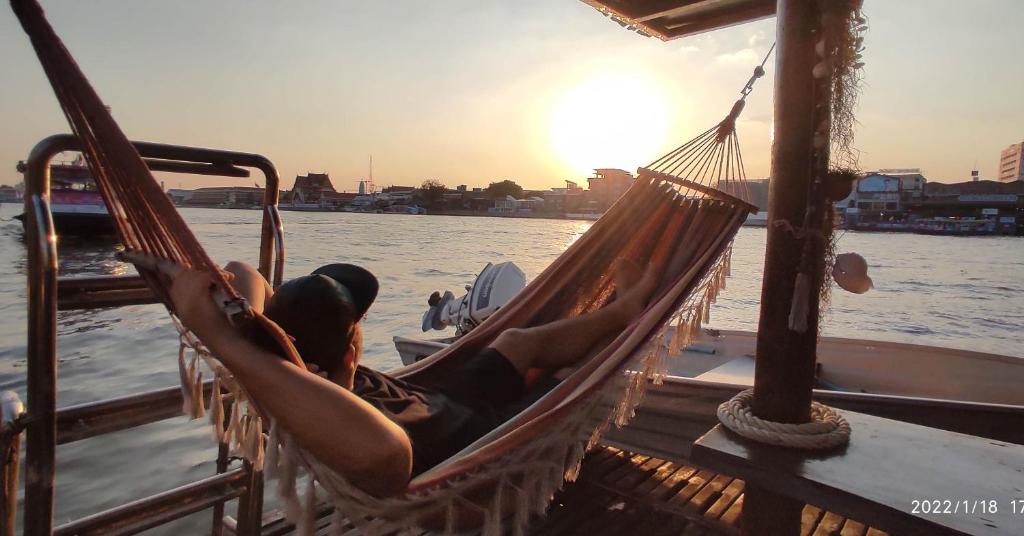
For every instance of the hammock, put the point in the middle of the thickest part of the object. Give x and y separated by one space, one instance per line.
681 214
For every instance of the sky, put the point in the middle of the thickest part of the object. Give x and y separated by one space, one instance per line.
469 92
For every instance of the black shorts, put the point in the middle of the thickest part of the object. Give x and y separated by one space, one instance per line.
460 406
486 379
490 384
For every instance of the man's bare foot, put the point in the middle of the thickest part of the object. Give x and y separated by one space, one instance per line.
633 286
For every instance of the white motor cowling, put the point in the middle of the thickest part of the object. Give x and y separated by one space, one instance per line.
496 285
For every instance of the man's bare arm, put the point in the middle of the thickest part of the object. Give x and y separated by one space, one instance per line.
334 425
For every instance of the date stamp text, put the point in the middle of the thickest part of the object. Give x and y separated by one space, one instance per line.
966 506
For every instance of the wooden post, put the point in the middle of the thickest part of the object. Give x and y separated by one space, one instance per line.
784 373
11 410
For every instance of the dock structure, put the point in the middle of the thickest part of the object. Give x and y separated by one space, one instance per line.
620 492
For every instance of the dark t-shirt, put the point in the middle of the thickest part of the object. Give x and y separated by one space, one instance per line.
438 426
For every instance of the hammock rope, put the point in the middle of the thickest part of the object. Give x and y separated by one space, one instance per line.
690 203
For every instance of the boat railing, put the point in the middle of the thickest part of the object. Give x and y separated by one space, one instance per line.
45 426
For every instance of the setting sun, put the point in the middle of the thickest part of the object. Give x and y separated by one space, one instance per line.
610 120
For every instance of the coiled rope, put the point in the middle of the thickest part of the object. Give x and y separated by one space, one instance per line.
826 430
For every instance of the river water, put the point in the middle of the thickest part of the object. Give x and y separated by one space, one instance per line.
943 291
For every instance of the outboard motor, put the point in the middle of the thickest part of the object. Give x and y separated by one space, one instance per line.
493 288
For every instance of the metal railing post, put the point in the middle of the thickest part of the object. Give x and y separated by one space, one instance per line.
41 432
40 422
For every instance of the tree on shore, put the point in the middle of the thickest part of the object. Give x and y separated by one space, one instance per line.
432 192
501 189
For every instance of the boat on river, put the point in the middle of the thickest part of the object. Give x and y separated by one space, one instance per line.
75 203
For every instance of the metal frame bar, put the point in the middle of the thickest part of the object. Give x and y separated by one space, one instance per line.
158 509
42 416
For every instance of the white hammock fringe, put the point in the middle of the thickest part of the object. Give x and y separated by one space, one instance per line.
525 478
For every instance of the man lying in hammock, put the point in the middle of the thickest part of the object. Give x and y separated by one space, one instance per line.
375 430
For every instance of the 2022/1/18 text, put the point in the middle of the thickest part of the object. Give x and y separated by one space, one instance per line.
960 506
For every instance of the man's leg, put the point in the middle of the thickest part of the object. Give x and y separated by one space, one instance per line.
250 283
564 342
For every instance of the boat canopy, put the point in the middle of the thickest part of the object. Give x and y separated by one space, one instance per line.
670 19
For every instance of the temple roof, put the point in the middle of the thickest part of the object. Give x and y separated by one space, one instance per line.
669 19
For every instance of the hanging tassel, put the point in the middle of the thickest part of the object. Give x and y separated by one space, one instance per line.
232 434
186 382
272 452
660 367
492 525
241 432
574 463
260 453
306 524
449 518
251 439
545 489
337 521
800 307
675 345
286 480
522 514
217 410
198 403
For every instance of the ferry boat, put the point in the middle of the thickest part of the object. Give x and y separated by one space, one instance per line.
955 227
75 203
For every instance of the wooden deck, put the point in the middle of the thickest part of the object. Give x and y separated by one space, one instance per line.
623 493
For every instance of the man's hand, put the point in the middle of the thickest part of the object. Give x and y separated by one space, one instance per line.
191 293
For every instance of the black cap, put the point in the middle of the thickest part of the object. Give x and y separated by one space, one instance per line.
360 283
319 310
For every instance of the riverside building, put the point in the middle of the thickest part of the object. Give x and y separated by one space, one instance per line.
1011 163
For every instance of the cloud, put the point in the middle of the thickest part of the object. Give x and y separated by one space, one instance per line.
744 55
686 49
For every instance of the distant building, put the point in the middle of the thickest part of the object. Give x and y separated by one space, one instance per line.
607 185
336 200
1011 163
1002 203
883 195
8 194
562 200
218 196
510 206
309 189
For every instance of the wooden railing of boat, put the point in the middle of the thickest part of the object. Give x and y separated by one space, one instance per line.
45 426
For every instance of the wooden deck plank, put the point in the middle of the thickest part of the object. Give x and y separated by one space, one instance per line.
620 492
809 519
626 469
673 483
853 528
725 499
830 525
731 517
656 478
693 485
708 494
643 473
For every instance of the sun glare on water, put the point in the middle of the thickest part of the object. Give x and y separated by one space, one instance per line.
609 121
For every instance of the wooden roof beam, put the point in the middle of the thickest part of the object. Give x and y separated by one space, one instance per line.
738 16
655 9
